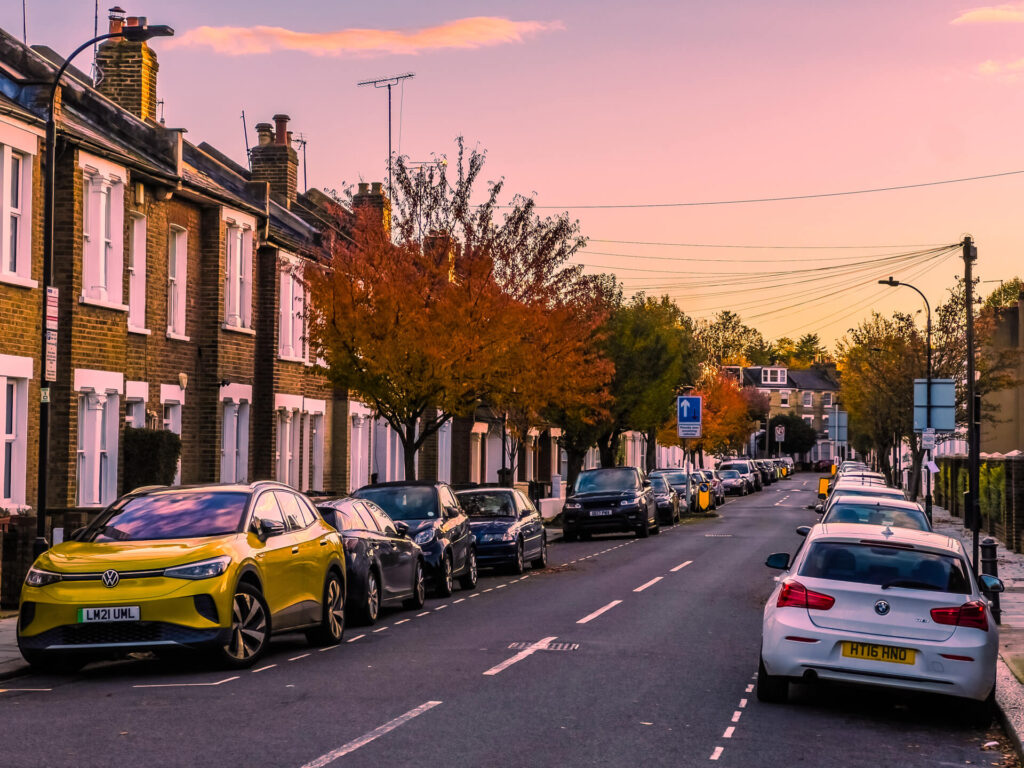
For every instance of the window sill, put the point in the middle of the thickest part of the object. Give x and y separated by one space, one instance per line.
101 303
290 359
237 329
140 331
18 280
177 336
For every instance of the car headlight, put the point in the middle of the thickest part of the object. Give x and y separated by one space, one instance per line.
424 537
203 569
37 577
573 505
630 502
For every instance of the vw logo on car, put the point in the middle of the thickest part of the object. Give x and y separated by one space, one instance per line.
110 578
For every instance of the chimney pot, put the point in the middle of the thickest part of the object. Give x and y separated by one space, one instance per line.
281 130
131 21
116 19
265 131
364 188
375 188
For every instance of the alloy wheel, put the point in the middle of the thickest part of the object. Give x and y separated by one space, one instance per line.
372 597
335 609
449 583
420 588
248 627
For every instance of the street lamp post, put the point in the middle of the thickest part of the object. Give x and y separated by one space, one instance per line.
135 33
928 382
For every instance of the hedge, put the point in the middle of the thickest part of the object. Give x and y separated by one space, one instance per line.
150 457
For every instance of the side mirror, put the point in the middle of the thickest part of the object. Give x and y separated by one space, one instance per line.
647 483
990 584
266 528
402 528
451 511
803 530
819 508
779 561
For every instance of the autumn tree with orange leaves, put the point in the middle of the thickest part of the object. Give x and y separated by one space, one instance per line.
727 418
451 306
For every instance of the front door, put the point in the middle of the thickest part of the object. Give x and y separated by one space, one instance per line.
282 586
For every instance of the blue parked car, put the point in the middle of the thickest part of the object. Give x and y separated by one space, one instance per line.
508 529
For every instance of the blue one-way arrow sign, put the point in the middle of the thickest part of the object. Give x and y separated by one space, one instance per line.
689 409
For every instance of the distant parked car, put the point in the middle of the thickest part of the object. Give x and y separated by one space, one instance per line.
608 500
384 565
508 529
667 499
734 483
717 489
437 523
747 469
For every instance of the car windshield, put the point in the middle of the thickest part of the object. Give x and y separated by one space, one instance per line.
403 502
659 484
886 566
175 515
623 479
675 478
487 503
729 474
876 514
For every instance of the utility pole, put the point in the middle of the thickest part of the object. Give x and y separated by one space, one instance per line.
388 82
972 516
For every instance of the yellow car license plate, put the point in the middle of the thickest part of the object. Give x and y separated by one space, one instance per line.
879 653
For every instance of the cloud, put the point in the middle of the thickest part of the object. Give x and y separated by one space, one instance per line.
1006 13
1011 70
474 32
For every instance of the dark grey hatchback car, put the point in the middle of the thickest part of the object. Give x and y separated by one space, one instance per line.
609 500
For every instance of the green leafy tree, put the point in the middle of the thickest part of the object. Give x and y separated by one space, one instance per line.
800 436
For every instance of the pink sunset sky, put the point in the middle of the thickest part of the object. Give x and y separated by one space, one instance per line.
590 103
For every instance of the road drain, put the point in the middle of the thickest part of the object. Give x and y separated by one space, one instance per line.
548 647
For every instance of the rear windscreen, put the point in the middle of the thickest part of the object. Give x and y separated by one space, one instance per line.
876 514
886 566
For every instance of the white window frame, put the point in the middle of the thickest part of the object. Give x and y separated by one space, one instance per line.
136 395
292 316
809 419
99 429
807 399
236 400
299 449
784 399
172 403
15 373
826 399
137 274
103 185
17 143
238 277
177 281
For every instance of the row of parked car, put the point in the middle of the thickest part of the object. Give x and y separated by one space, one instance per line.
221 568
873 596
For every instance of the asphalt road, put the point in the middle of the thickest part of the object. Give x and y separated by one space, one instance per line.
626 652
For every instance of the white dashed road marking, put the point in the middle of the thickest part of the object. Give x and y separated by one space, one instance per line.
186 685
263 669
716 754
538 646
650 583
376 733
728 732
736 716
296 658
353 639
598 612
681 566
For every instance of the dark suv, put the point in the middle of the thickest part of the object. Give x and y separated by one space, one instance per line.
437 523
609 500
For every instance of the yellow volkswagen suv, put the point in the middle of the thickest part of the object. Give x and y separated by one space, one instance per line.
214 567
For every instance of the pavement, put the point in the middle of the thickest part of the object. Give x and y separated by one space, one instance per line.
623 651
1010 668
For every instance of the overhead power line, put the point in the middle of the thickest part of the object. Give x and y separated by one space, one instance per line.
783 198
761 247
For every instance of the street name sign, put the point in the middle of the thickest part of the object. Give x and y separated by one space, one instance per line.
689 410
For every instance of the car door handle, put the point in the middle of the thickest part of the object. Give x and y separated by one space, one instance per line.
295 550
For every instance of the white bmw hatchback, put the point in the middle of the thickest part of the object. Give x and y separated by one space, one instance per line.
880 606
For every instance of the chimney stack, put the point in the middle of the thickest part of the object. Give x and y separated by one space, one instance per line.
371 201
275 161
127 70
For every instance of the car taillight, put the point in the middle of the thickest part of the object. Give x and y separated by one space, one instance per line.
972 614
796 595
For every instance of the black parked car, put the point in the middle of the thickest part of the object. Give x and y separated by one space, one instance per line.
734 483
508 529
607 500
667 500
383 565
437 523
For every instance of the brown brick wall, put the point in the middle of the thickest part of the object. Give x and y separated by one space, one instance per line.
128 74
